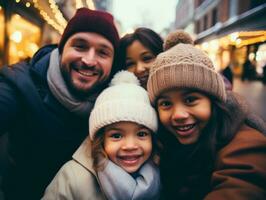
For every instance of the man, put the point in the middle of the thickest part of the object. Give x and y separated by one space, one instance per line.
45 104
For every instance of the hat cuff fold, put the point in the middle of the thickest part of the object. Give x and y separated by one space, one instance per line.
122 110
185 75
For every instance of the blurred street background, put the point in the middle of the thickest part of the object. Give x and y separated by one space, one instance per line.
255 93
232 32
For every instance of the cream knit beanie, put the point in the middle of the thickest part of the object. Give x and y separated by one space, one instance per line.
182 65
123 100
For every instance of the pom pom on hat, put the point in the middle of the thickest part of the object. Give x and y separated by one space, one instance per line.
123 100
124 77
177 37
182 65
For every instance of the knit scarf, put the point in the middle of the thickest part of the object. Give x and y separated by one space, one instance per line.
117 184
59 89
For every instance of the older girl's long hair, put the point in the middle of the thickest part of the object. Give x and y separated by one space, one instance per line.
197 159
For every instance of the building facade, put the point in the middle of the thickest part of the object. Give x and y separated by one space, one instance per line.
26 25
23 30
105 5
185 16
231 32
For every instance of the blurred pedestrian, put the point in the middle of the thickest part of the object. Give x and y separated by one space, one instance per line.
227 72
210 151
249 71
118 159
264 74
45 104
138 50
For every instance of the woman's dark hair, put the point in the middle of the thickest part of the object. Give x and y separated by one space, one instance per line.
147 37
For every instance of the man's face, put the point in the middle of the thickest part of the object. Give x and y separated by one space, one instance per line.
86 62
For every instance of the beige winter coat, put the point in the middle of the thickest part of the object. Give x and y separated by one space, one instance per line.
76 179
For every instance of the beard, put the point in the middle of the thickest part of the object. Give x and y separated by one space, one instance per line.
79 92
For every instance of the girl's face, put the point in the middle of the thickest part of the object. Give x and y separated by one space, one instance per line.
138 61
184 113
128 144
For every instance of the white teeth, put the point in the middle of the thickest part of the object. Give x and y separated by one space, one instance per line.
88 73
185 128
130 158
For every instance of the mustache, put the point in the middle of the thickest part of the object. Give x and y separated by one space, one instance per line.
80 65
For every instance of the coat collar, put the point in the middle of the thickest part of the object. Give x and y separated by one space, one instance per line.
40 62
83 155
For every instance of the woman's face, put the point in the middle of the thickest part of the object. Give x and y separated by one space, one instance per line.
139 60
128 145
184 113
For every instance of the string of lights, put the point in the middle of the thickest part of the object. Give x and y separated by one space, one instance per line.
90 4
79 4
57 13
57 26
57 21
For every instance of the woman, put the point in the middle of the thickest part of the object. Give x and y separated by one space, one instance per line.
138 50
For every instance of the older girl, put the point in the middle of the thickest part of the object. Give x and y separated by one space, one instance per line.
209 152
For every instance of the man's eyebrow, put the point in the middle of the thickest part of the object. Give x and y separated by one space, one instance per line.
78 39
105 46
101 45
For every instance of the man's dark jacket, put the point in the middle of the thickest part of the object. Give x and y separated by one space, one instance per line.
42 133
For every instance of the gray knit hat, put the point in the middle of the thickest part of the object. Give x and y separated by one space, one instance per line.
182 65
123 100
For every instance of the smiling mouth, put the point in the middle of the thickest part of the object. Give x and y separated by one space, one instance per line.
185 130
86 72
129 159
185 127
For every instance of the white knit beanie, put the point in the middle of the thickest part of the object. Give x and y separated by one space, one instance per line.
123 100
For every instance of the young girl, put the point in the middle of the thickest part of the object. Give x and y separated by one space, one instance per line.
118 159
209 151
138 50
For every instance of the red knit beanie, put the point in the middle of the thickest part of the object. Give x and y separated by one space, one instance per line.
86 20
